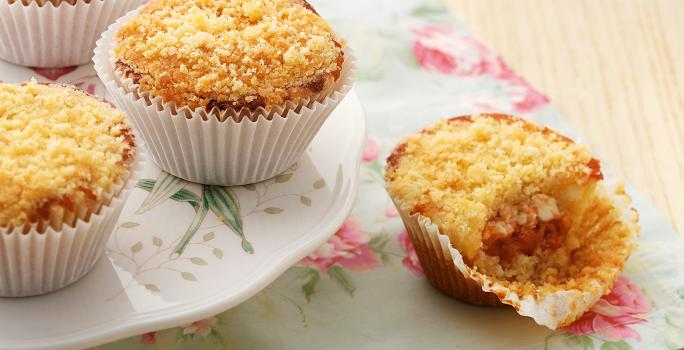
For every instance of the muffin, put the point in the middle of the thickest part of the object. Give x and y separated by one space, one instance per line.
503 211
240 88
229 54
55 33
63 169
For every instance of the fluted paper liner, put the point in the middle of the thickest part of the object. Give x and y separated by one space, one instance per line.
50 36
445 269
225 150
43 257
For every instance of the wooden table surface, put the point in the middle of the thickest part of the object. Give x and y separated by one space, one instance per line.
614 68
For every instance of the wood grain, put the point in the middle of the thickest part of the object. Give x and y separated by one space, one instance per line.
614 68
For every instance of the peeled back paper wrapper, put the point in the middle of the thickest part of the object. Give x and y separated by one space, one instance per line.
41 34
226 149
48 255
447 271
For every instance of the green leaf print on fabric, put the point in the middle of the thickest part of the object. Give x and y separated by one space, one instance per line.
378 243
338 274
309 288
586 342
562 340
616 345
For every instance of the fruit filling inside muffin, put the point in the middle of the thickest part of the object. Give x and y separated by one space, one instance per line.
522 204
532 226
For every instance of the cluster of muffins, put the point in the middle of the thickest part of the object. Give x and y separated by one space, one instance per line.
64 168
225 92
502 211
55 33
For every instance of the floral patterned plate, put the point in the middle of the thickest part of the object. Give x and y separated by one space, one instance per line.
183 251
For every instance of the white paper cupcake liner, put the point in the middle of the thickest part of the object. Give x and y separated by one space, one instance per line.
447 271
40 259
52 36
219 151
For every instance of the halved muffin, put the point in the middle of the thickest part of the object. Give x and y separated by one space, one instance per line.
503 210
229 54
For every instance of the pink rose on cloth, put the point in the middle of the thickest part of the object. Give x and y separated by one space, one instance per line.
611 316
148 338
348 247
411 260
525 97
442 49
201 327
371 151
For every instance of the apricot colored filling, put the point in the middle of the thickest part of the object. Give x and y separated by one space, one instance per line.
526 228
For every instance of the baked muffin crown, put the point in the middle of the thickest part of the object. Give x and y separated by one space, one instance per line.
459 172
229 53
61 147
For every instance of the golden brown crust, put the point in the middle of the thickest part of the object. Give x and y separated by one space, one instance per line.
594 164
460 171
65 149
229 54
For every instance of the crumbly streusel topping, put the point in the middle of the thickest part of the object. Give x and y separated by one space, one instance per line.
59 145
235 53
460 172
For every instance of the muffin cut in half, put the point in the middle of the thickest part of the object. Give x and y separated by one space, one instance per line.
505 211
229 54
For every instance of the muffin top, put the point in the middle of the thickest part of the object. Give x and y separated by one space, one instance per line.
229 53
461 172
60 147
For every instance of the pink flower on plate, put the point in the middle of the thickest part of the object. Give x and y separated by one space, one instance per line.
201 327
348 247
411 260
442 49
148 338
371 151
54 73
611 316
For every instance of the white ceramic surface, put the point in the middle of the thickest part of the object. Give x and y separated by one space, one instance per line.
144 285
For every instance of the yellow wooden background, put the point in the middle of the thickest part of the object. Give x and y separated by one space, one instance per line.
615 69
